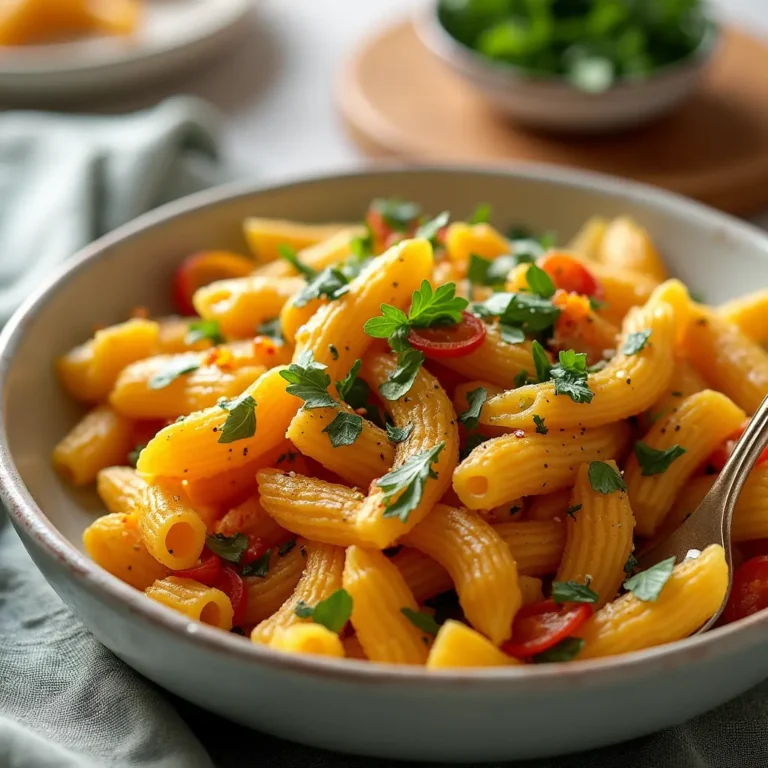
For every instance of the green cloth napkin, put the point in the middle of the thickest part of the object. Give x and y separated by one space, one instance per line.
66 180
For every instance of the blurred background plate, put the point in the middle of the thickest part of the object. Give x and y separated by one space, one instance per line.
173 35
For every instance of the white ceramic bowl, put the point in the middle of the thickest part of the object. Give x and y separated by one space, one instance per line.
347 705
551 103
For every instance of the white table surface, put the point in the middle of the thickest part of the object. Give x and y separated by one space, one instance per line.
276 85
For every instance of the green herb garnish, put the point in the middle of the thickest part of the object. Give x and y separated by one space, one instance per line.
241 419
653 461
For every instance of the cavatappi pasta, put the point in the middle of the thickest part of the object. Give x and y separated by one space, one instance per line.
420 441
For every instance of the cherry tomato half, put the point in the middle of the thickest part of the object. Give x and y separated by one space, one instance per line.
569 274
449 340
750 590
720 455
207 572
541 625
256 548
231 584
202 269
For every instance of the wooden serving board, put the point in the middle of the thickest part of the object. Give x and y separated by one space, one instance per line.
398 99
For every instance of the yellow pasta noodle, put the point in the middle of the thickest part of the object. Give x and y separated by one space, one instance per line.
100 439
424 576
120 488
531 589
627 246
250 517
685 381
695 590
698 424
727 359
173 334
550 506
462 240
379 593
88 372
479 563
514 465
339 324
457 645
114 542
628 385
173 533
749 314
321 578
368 458
191 448
599 538
265 236
537 546
314 639
266 594
206 604
587 241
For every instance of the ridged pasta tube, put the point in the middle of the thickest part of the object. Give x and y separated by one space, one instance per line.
266 594
313 639
120 488
194 600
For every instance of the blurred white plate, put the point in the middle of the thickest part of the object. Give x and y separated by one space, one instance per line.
173 34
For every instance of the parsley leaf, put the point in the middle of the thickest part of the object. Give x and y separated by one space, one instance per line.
490 272
647 585
481 214
259 567
353 390
362 250
472 442
292 257
331 283
511 334
390 321
272 330
430 307
286 547
133 456
539 422
176 366
397 214
570 376
408 481
334 352
344 386
204 329
573 592
566 650
524 310
344 429
398 434
654 462
423 621
571 511
604 478
521 379
308 381
541 361
429 229
229 548
475 400
333 612
241 419
401 379
630 565
540 282
636 342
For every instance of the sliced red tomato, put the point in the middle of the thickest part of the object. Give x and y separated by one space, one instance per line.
231 584
750 590
202 269
569 274
256 548
540 626
207 572
720 455
449 340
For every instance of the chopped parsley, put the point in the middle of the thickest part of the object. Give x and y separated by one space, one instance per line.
176 366
475 400
286 547
352 389
570 376
308 381
573 592
653 461
272 330
407 483
397 214
491 272
133 456
423 621
229 548
541 361
331 283
472 442
647 585
259 567
636 342
566 650
241 419
540 282
400 381
292 257
530 313
521 379
604 478
630 565
333 612
344 429
334 352
571 511
200 330
398 434
429 229
539 422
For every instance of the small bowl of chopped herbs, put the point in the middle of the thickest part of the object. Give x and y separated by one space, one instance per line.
578 66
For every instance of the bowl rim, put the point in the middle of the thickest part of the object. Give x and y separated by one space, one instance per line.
434 36
36 529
